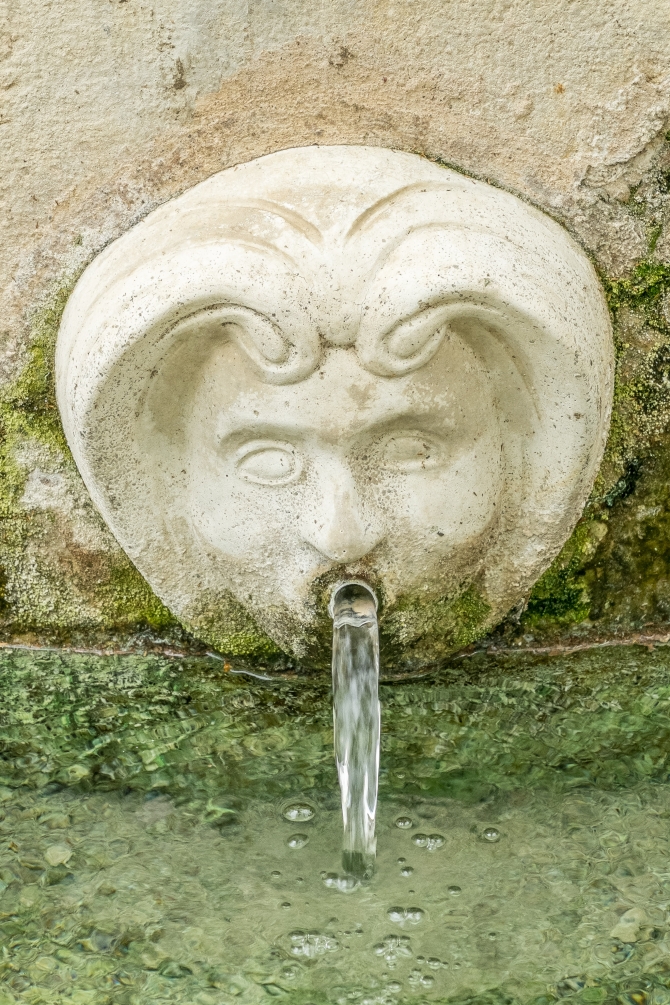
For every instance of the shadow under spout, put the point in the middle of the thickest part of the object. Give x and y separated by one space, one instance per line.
356 720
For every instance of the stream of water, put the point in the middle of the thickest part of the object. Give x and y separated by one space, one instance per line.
356 721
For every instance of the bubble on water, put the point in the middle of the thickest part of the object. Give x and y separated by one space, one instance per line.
405 915
454 891
406 870
275 875
404 823
427 980
343 884
298 812
297 841
401 861
285 905
393 987
433 963
491 834
393 948
431 842
312 944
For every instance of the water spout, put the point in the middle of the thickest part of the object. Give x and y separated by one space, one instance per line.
356 720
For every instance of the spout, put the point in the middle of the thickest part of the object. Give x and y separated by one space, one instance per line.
353 603
356 719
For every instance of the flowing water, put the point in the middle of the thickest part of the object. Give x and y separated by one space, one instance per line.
356 722
170 833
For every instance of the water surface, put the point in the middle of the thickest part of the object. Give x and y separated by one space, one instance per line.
170 833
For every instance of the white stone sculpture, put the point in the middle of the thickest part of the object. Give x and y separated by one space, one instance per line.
338 362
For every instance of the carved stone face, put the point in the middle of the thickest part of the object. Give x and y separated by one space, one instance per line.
338 362
346 470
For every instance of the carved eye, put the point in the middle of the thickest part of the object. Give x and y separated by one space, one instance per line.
410 451
267 462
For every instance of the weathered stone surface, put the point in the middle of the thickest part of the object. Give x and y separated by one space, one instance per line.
337 362
111 109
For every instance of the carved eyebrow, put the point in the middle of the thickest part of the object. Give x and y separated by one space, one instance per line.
289 216
413 420
257 244
368 217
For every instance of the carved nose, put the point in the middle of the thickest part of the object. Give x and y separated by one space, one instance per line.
336 526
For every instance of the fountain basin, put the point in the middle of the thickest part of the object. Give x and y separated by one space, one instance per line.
145 820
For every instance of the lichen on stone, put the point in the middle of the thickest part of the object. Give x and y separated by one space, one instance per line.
420 630
229 628
618 550
62 574
64 578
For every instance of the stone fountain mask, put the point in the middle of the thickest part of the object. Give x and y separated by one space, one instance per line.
331 363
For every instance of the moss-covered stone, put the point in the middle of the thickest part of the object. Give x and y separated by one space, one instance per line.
228 627
419 631
611 575
56 584
63 577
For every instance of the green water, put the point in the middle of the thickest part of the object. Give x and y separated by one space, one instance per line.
170 833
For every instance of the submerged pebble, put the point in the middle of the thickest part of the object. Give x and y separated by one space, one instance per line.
58 854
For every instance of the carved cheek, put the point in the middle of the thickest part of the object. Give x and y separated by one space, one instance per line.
456 495
240 496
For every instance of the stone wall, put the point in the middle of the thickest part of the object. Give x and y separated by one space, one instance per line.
111 107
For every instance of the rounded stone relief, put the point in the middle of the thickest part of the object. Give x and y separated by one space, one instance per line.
339 362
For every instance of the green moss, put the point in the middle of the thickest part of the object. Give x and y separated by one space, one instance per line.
226 625
28 406
560 593
95 590
632 481
101 591
128 600
422 630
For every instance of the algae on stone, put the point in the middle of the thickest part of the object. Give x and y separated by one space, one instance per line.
63 575
63 578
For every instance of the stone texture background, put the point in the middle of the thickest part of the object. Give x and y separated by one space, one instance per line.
110 107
